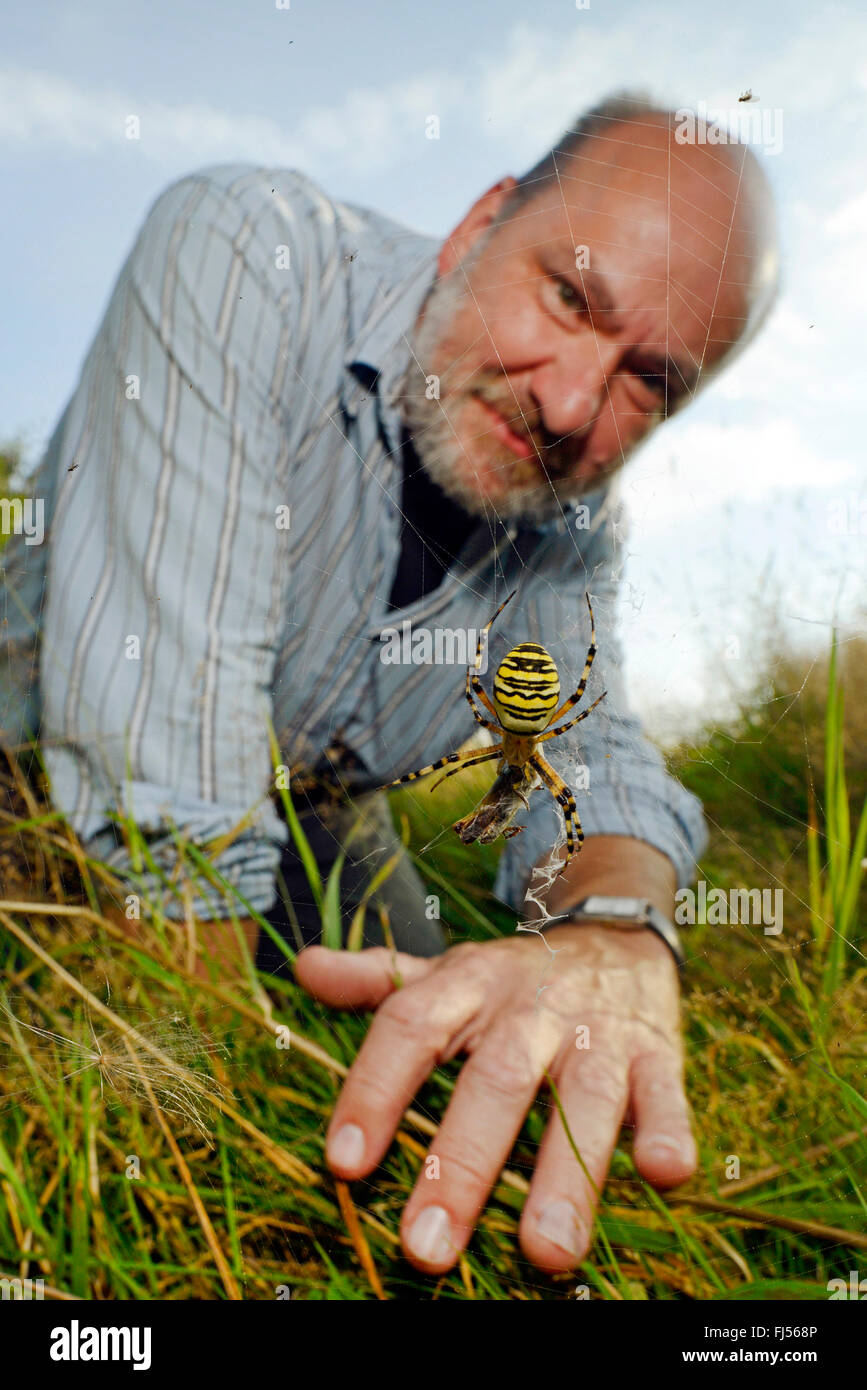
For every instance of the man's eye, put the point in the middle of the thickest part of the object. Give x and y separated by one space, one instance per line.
655 382
569 296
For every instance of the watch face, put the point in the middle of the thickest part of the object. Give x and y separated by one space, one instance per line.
631 910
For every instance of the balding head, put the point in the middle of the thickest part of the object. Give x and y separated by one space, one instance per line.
579 305
715 189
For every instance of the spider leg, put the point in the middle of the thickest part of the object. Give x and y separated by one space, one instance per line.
471 753
477 714
591 652
473 681
490 624
555 733
470 762
561 793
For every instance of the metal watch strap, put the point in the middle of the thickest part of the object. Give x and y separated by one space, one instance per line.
654 920
658 922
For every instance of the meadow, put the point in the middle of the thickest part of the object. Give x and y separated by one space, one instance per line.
162 1137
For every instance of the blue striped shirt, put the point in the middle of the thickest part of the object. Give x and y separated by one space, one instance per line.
248 363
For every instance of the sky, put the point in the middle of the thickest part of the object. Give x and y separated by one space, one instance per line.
746 511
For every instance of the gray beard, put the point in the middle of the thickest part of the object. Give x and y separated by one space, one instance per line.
433 438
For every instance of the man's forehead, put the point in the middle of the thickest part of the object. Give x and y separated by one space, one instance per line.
647 205
638 172
642 210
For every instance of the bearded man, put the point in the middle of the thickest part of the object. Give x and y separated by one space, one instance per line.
301 424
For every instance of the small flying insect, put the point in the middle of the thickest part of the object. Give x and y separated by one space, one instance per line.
747 95
524 708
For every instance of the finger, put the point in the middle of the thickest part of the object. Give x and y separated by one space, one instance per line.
664 1148
493 1094
357 979
408 1035
557 1223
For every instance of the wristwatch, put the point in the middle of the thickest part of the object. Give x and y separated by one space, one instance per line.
627 914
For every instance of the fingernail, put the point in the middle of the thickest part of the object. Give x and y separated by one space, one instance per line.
666 1145
429 1236
346 1149
559 1224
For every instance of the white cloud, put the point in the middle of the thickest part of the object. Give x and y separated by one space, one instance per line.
530 86
38 108
805 71
850 219
541 81
707 467
370 127
841 273
780 360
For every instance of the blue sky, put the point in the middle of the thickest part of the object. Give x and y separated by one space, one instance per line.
732 503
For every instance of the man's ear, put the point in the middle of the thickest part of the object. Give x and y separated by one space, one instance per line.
472 226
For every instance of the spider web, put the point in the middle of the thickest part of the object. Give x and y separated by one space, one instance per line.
543 877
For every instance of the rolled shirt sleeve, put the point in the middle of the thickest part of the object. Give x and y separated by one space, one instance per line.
168 572
619 778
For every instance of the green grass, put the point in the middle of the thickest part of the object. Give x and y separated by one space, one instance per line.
193 1086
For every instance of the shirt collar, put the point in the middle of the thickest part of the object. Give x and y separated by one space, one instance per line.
379 348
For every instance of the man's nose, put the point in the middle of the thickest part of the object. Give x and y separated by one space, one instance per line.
570 391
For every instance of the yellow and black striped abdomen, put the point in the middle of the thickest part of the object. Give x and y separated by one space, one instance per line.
526 689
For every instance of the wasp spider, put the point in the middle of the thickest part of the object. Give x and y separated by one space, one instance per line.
526 695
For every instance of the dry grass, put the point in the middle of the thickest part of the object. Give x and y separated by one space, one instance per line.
159 1139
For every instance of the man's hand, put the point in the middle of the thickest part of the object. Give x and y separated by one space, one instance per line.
483 1000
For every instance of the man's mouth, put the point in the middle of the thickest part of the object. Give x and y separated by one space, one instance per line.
518 444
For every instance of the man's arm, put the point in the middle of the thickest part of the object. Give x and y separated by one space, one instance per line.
160 635
615 865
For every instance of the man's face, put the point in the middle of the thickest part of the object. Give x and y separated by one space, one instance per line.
551 372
